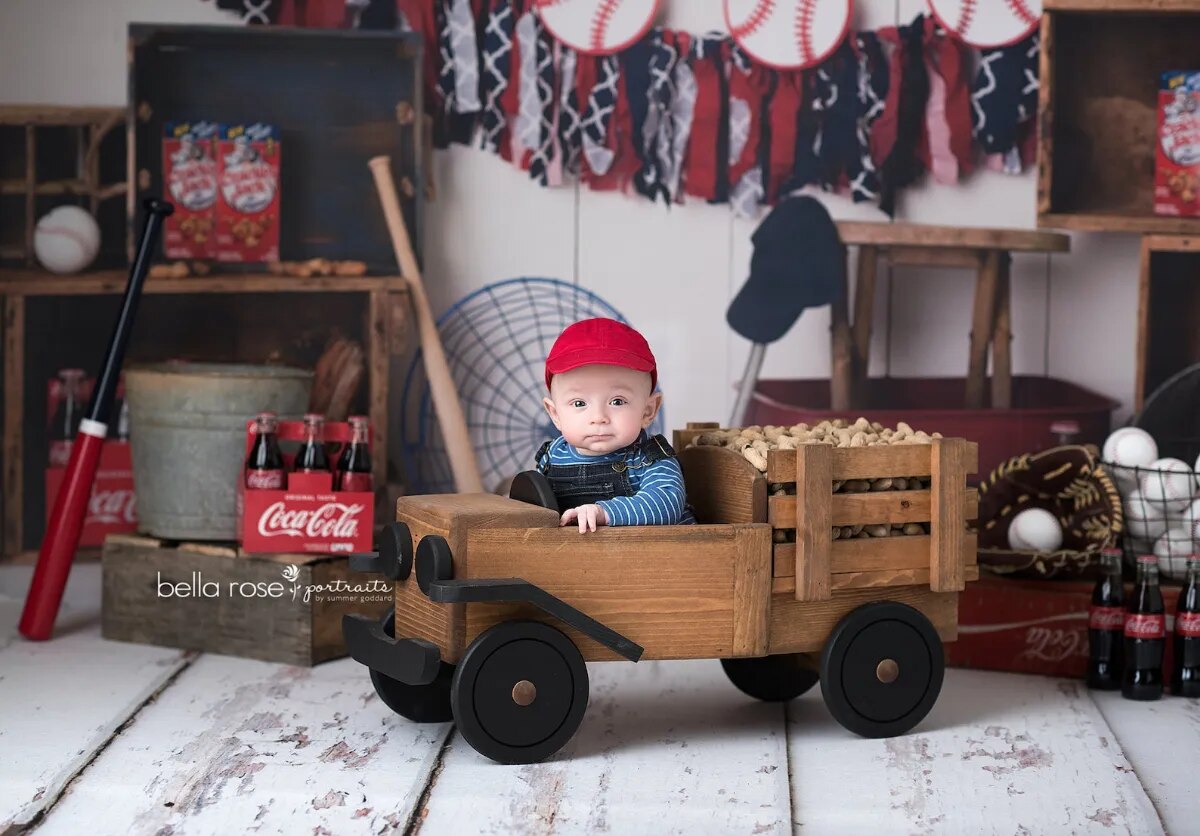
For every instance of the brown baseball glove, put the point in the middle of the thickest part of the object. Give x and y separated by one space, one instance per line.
1070 483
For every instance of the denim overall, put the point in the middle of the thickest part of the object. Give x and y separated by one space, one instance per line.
587 483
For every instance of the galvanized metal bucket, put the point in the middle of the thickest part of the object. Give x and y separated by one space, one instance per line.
187 424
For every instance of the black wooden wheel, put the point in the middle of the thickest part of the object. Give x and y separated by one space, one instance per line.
882 669
533 487
419 703
777 678
519 692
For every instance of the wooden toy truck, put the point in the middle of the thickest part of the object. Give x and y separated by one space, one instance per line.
498 608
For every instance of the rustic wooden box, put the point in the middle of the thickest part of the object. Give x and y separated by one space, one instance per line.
278 608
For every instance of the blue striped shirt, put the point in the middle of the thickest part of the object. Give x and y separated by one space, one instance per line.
659 497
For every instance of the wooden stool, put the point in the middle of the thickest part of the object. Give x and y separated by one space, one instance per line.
987 251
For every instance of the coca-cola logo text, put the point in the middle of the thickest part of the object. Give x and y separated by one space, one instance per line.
1106 618
112 507
1052 644
333 520
1188 624
1145 626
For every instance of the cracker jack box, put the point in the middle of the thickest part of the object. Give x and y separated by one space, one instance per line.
248 208
112 507
189 158
307 516
1032 626
1177 160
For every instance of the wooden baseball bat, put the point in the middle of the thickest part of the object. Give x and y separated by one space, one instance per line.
441 384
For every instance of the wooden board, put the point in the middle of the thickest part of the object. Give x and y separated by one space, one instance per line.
875 579
871 554
947 557
238 746
102 282
1159 739
999 753
858 462
804 626
813 520
665 747
874 508
282 608
64 699
671 589
959 237
722 486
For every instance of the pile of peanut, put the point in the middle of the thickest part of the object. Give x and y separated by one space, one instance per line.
754 442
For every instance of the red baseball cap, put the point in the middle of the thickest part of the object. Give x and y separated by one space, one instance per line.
601 340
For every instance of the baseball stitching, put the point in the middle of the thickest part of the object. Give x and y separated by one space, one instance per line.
604 15
756 19
804 25
965 15
1022 11
70 233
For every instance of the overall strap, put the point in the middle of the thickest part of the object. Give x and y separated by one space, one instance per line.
655 448
541 454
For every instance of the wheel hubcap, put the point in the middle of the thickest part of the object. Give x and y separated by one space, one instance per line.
524 693
887 671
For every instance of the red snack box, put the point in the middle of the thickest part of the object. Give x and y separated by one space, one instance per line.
1177 160
248 209
1027 626
189 155
308 516
112 508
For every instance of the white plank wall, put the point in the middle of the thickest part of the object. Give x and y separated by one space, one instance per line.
62 700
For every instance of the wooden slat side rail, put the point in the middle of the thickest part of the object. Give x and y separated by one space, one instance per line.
948 523
871 580
751 590
875 508
814 504
871 554
858 462
722 486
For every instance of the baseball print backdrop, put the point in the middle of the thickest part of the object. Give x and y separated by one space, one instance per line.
598 27
988 24
788 34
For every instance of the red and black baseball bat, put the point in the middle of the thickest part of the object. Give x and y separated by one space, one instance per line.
70 507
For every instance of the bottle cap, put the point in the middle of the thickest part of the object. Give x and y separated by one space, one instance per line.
314 416
1147 558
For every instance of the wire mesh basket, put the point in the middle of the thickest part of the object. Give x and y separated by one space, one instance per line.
1162 512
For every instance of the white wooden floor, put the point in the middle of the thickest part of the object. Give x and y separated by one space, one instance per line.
104 737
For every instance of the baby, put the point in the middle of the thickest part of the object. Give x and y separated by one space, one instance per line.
603 468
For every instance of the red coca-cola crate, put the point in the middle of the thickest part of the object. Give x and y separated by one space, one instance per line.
112 508
1029 626
307 516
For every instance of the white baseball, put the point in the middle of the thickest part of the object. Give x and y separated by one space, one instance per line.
1191 519
1173 549
1035 529
988 23
1169 483
788 34
1143 519
1131 447
597 27
66 239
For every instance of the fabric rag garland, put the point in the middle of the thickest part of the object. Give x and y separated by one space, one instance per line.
677 115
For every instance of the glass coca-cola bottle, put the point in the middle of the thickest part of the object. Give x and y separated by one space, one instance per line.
64 426
264 465
1145 635
354 465
1185 679
312 457
1106 625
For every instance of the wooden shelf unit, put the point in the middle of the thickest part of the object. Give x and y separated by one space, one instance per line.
384 330
1101 63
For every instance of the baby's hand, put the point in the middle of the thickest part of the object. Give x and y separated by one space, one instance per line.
589 517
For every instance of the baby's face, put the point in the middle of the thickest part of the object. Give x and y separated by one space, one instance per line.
600 409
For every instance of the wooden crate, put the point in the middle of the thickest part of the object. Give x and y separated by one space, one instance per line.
807 562
277 608
50 156
1101 61
1168 295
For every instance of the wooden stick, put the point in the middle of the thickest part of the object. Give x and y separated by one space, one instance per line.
441 385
